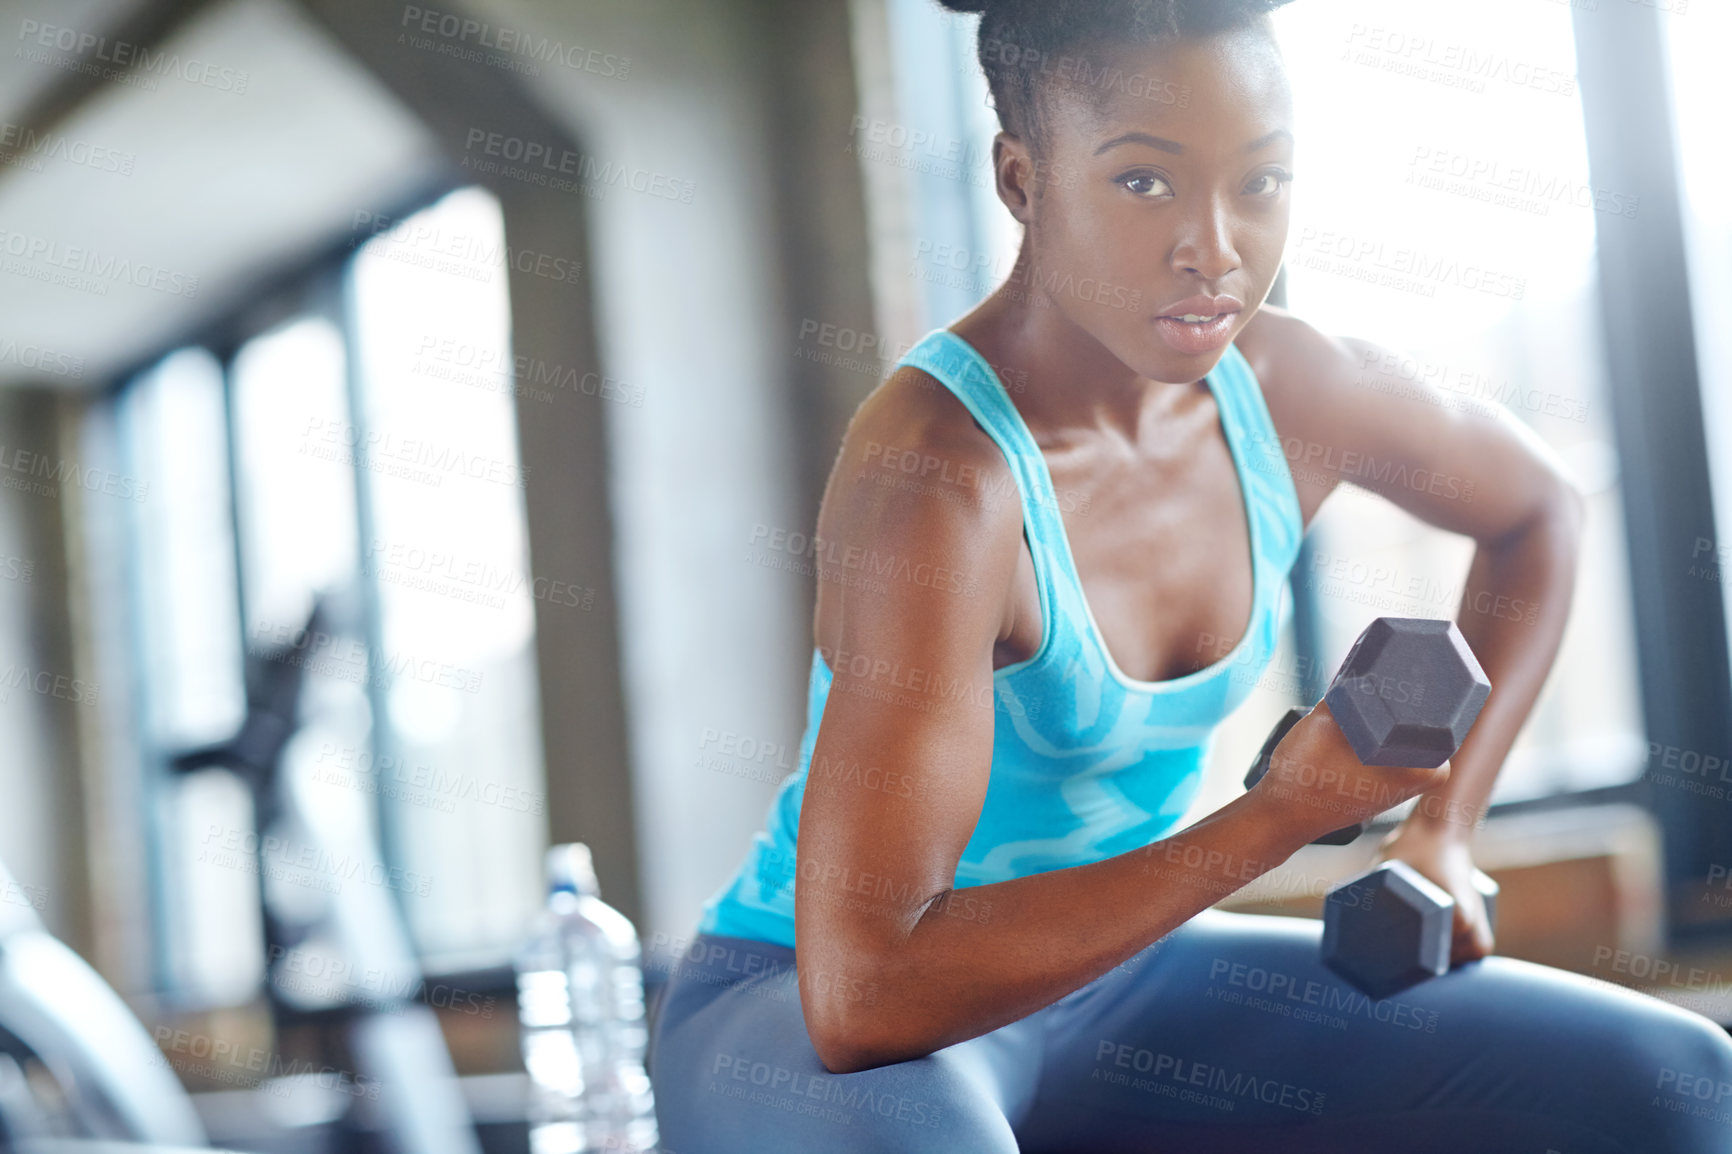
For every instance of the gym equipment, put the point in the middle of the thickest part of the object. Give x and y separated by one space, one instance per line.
56 1010
111 1080
1407 694
1390 928
393 1039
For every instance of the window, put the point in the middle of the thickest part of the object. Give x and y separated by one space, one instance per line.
189 671
359 456
1442 209
1695 39
190 638
446 549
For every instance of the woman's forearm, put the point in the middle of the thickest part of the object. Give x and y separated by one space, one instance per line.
1514 607
984 956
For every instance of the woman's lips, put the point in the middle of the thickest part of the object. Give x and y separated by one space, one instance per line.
1192 337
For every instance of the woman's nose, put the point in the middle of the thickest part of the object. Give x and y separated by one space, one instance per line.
1205 244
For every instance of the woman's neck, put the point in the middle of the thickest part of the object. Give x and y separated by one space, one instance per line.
1073 384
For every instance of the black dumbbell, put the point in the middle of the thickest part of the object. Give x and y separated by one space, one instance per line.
1391 928
1407 694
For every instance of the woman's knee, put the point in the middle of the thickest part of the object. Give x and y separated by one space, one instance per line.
1681 1058
1656 1075
740 1074
930 1105
768 1103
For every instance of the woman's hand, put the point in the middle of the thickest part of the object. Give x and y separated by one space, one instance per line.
1443 858
1316 783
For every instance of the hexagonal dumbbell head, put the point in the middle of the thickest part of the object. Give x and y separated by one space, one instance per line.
1259 768
1391 928
1408 692
1488 891
1388 929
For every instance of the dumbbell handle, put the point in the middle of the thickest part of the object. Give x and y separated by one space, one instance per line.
1343 836
1432 951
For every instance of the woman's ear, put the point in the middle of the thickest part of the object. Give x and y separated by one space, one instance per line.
1013 170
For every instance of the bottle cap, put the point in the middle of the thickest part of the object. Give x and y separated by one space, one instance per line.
570 868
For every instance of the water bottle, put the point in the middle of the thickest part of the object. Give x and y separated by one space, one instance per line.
581 1005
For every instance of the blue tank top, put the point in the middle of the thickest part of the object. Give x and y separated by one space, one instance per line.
1087 763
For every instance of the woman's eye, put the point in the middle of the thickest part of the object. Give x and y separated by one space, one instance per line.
1145 184
1273 188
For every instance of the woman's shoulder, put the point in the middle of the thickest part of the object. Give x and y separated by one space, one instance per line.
1299 368
913 464
914 423
915 479
1287 352
1268 342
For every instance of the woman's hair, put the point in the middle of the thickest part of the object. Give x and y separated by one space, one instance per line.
1024 43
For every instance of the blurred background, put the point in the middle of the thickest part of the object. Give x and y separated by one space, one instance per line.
413 419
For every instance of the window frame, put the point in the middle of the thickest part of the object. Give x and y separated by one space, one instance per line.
318 284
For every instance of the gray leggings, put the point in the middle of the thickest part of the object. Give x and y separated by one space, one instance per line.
1226 1035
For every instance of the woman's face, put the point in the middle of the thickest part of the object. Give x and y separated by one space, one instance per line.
1163 178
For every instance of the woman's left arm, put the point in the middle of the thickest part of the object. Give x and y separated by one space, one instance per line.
1473 468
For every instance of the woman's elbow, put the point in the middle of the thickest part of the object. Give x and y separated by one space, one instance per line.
1571 504
844 1041
847 983
1553 519
851 1034
1567 517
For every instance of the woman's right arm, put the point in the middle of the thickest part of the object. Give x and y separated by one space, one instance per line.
916 572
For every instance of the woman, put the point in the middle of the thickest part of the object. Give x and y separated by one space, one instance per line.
1002 943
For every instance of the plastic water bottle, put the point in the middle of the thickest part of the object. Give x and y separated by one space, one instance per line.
580 1001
